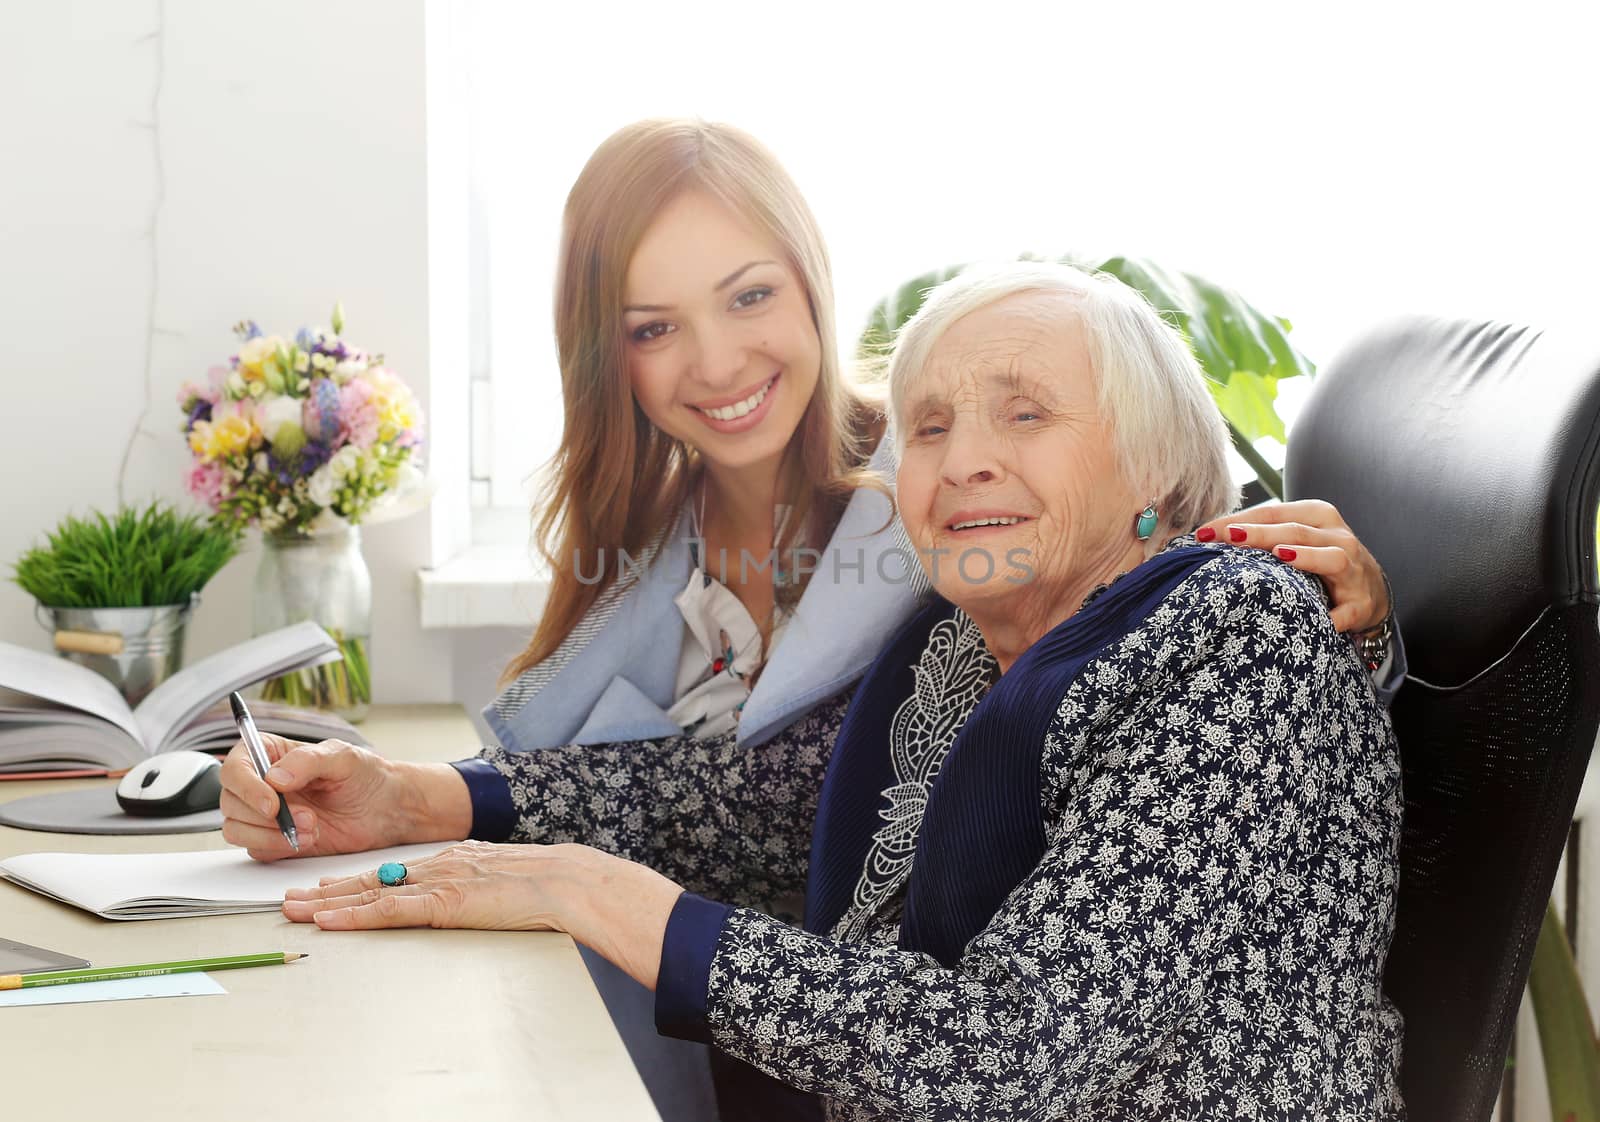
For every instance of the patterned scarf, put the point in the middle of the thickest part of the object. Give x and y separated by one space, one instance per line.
934 781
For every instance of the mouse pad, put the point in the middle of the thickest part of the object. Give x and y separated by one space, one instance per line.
95 811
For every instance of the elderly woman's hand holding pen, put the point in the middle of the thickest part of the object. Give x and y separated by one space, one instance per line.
344 799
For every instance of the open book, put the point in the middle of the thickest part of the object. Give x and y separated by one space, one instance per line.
212 882
55 714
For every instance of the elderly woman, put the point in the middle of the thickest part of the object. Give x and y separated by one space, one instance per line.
1109 831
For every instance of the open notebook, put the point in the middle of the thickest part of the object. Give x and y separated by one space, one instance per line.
213 882
55 714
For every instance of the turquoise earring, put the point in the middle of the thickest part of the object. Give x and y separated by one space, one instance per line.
1145 524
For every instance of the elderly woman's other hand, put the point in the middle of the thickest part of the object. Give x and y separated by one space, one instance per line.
474 884
618 907
1312 536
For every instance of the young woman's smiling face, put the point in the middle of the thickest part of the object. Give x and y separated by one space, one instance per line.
722 350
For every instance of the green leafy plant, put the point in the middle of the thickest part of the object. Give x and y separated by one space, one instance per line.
1244 352
134 559
1566 1030
1567 1041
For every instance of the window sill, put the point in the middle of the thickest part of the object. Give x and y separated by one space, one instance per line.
483 586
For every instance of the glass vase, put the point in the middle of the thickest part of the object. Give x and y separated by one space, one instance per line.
320 577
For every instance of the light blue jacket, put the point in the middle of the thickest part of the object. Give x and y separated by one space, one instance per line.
614 677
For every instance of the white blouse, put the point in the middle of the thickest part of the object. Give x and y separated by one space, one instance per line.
721 650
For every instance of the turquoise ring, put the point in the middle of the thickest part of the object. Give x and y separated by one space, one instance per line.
391 873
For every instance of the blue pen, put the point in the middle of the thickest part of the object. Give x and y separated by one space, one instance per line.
258 756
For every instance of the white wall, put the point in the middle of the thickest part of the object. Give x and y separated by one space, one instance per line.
172 168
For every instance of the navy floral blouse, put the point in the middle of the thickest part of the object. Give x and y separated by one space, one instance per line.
1203 936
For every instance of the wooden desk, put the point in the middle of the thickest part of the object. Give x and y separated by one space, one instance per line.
409 1024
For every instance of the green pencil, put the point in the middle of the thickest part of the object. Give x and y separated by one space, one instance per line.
145 970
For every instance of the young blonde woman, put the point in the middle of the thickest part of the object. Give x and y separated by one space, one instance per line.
722 561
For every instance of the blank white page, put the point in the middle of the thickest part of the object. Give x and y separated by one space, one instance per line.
65 683
171 885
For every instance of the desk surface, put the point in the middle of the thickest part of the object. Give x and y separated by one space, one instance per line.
407 1024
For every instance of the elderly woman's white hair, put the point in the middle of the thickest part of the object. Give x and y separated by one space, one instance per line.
1171 441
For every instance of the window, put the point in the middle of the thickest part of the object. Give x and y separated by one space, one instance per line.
1335 168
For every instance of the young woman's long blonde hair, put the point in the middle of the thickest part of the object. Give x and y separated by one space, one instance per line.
617 482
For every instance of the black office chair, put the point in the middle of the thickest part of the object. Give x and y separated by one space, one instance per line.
1467 457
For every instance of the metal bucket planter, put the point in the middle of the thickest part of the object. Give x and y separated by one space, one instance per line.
135 649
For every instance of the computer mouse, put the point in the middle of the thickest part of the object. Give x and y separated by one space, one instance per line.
171 783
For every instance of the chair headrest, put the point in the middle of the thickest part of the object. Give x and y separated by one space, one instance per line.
1466 455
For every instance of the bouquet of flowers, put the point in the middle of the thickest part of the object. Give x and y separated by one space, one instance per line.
297 436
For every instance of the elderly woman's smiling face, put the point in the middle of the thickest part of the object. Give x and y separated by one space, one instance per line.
1009 484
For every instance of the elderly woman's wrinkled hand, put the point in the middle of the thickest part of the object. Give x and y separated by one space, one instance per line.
1312 536
338 793
618 907
344 799
472 885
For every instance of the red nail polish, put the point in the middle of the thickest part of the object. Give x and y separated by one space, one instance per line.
1287 553
1236 534
1204 534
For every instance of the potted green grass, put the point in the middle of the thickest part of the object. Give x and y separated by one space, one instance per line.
117 591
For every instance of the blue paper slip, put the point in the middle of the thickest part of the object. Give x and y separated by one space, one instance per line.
194 984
